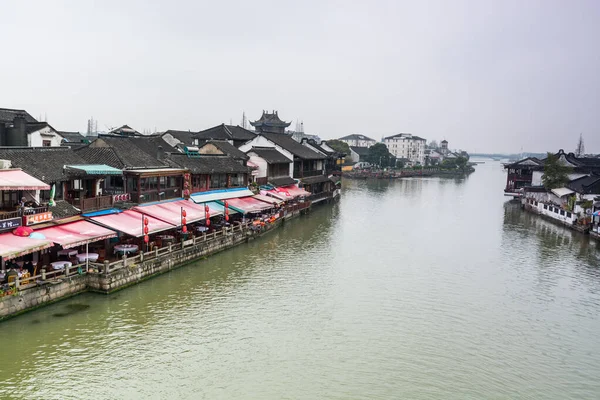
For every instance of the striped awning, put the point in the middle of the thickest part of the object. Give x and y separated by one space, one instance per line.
16 179
96 169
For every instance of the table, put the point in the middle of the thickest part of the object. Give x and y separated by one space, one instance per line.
201 228
126 248
67 252
87 256
61 264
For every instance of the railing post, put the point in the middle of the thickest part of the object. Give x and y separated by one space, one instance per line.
67 269
156 252
17 283
124 260
141 256
170 247
106 267
43 274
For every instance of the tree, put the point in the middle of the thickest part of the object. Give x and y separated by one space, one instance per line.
339 146
379 155
580 149
555 174
461 162
433 145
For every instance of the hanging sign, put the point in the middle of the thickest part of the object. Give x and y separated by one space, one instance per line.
37 218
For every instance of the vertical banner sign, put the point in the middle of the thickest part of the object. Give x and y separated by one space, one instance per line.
186 185
183 220
207 214
226 211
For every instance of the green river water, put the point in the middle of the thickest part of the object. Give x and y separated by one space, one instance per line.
411 289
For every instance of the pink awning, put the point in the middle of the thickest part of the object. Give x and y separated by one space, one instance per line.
249 204
15 179
170 211
286 192
76 234
12 246
130 222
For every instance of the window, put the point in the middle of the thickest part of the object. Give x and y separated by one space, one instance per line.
562 212
46 143
218 181
236 180
149 184
77 184
199 182
568 214
545 206
132 185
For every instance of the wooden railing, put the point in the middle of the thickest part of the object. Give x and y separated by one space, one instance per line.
96 203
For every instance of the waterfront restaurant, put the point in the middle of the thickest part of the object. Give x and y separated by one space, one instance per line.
15 185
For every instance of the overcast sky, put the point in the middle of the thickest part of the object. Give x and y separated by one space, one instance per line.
485 75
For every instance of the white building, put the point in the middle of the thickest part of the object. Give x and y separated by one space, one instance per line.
42 135
358 140
405 145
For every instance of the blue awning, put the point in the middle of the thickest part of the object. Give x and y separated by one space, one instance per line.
221 194
97 169
103 212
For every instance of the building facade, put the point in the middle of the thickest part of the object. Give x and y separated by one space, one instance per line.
406 145
358 140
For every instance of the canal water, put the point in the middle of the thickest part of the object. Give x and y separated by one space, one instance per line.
418 289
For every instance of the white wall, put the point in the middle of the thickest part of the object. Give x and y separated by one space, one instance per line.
261 141
35 139
402 147
261 163
552 211
358 142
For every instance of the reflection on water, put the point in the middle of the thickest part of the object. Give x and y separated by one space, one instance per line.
415 288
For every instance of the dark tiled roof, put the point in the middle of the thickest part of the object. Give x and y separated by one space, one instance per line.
289 144
361 151
313 143
206 164
315 179
63 209
131 152
412 137
44 163
219 132
283 181
227 148
185 137
9 114
356 137
36 126
73 137
124 130
101 155
585 185
239 133
268 119
270 154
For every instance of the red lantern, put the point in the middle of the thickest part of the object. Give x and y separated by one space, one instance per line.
146 239
184 213
206 209
183 221
184 230
146 221
207 222
226 217
226 204
146 230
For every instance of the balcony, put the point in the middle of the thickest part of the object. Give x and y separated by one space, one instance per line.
307 173
93 203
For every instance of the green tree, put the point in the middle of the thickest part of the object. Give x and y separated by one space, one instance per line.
555 174
339 146
461 163
379 155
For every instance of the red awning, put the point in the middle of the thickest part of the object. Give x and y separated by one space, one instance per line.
170 211
12 246
76 234
15 179
249 204
130 222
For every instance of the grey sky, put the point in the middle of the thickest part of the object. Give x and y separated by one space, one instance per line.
485 75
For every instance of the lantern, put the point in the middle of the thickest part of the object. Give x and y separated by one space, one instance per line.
206 209
146 221
184 230
146 230
184 213
183 221
146 239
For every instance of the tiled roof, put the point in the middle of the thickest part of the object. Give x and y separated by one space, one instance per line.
206 164
9 114
239 133
227 148
104 155
584 184
317 146
361 151
270 119
356 137
131 152
406 136
315 179
289 144
44 163
63 209
219 132
73 137
270 154
36 126
282 181
185 137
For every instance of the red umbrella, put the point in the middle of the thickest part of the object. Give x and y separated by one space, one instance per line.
24 231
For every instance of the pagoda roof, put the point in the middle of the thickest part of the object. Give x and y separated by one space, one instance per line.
270 119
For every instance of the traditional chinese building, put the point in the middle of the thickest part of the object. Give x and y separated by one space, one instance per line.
270 123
